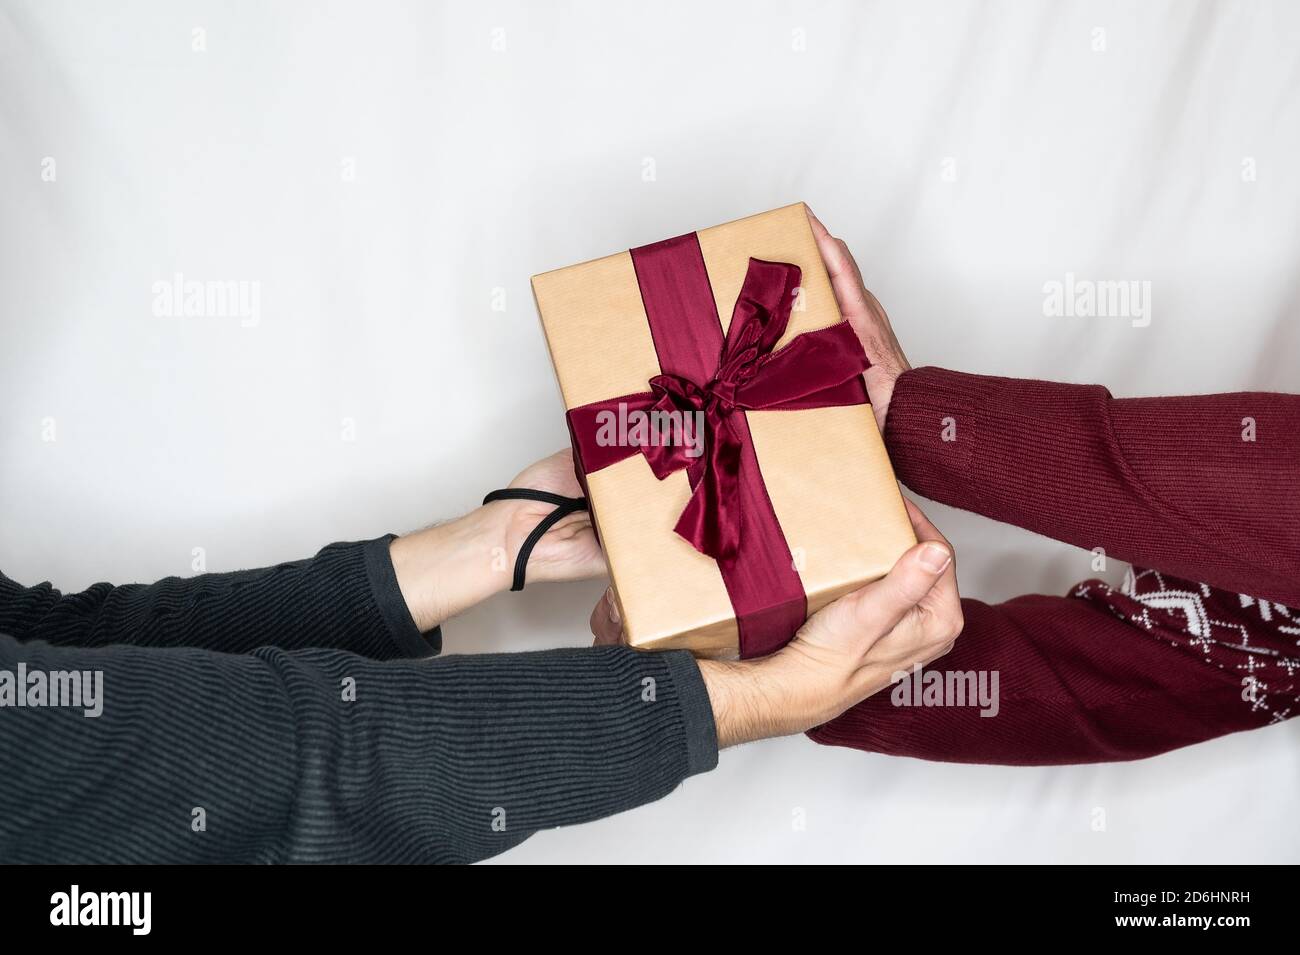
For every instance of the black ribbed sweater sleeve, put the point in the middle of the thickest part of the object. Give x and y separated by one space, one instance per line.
446 760
290 748
346 597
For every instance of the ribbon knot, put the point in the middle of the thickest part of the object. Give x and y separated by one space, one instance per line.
814 370
721 392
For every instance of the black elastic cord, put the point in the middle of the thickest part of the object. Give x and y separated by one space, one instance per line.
564 506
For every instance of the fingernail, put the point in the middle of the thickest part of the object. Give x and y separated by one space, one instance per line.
612 604
935 558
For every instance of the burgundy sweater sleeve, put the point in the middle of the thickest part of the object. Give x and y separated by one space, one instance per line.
1205 487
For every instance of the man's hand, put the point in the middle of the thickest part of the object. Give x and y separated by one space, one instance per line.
842 654
867 316
851 648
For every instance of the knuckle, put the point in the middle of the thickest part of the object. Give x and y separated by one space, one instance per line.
955 623
944 625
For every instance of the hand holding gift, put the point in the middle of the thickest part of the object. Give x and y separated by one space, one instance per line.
844 653
863 311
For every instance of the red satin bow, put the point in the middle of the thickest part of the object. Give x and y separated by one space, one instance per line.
817 369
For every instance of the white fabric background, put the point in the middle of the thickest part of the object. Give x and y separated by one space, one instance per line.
477 167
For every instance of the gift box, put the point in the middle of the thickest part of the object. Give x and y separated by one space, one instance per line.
721 430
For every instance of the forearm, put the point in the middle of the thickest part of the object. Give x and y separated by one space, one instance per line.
774 696
1182 484
324 756
746 701
345 597
383 598
446 569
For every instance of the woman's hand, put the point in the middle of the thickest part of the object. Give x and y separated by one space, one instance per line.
569 550
868 318
842 654
445 569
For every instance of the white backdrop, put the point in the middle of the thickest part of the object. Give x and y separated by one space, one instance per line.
389 172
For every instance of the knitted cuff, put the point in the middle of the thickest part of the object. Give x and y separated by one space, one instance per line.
392 606
697 712
932 431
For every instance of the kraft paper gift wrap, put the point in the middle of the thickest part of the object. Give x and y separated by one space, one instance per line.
832 492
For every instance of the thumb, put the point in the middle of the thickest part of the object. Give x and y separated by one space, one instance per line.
606 624
884 603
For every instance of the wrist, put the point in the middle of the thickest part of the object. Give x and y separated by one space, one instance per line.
822 682
881 380
446 569
819 685
778 695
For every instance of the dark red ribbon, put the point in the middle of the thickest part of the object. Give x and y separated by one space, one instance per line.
729 516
